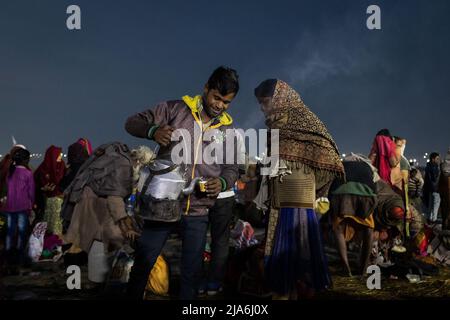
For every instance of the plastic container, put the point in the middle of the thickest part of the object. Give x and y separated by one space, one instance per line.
98 266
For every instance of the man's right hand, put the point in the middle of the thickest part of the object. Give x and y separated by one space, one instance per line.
162 135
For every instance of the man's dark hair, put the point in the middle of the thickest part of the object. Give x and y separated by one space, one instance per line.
397 138
433 155
225 80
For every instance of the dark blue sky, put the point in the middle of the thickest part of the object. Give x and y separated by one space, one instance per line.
58 85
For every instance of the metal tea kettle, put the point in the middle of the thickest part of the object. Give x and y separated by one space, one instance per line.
167 182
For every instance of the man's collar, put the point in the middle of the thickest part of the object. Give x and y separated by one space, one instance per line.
196 105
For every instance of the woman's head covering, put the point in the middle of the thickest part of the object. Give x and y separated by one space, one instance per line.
384 132
77 154
303 136
266 89
86 144
51 170
384 148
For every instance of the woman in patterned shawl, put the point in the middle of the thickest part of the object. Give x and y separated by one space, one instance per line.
294 257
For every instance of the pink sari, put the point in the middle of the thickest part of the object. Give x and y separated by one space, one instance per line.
384 148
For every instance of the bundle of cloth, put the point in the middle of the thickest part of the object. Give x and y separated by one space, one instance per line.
243 235
354 200
352 205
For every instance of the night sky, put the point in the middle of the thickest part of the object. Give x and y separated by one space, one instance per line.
58 85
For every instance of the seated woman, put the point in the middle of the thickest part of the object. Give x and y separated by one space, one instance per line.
389 216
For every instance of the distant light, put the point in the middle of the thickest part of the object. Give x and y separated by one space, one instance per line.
428 160
344 155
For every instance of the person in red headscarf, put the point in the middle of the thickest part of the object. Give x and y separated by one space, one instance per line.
86 145
48 178
383 155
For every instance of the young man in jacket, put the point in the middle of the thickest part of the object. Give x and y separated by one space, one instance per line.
193 114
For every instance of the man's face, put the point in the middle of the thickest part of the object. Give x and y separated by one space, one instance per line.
215 103
437 160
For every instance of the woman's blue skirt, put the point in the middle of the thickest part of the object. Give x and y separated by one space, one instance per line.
297 252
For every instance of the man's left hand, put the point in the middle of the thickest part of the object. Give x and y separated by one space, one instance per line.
213 187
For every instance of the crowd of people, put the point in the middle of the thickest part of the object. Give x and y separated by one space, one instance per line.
29 196
380 202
